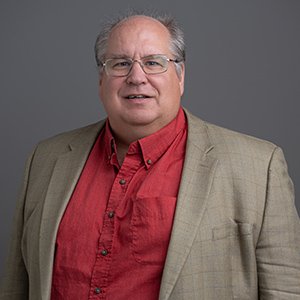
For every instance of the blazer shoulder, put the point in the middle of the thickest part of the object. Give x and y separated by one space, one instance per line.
62 141
228 142
227 139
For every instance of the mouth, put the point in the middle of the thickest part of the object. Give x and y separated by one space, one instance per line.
139 96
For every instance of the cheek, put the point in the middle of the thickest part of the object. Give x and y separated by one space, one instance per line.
107 89
174 88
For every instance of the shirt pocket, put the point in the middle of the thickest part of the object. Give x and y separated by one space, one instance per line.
151 225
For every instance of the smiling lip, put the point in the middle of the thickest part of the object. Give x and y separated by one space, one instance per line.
137 96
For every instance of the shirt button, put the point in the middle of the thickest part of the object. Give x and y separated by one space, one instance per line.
111 214
122 181
149 161
104 252
97 290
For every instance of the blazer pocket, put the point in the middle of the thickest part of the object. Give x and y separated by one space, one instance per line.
233 229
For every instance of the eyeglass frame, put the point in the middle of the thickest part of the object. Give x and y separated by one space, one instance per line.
139 61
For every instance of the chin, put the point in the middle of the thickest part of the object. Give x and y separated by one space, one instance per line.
140 119
140 122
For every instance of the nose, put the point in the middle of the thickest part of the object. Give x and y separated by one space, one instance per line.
136 75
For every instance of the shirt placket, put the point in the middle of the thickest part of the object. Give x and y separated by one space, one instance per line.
102 266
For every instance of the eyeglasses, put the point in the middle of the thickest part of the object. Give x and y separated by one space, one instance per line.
153 64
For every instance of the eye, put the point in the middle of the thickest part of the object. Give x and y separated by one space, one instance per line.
120 63
153 63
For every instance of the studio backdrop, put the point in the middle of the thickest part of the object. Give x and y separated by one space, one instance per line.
242 72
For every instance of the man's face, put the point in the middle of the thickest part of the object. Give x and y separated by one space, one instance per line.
136 38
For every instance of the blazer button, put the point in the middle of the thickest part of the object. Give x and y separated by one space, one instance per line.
104 252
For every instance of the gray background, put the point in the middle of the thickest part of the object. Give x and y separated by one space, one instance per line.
243 73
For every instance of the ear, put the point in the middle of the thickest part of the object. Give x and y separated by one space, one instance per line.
181 79
99 86
100 78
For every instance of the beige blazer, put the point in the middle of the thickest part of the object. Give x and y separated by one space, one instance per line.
236 233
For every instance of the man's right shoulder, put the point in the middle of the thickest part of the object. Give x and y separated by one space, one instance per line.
63 141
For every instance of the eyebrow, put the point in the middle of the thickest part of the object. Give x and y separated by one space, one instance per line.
118 56
125 56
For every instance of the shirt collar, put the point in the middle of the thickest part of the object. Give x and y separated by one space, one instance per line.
156 144
151 147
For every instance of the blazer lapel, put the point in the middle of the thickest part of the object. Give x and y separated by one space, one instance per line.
63 181
195 185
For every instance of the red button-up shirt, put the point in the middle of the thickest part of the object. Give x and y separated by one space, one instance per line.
113 238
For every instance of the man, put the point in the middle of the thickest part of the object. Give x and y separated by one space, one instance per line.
153 202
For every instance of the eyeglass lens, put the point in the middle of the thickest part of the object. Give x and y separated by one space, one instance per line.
150 65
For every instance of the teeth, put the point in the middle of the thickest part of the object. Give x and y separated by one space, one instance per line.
136 96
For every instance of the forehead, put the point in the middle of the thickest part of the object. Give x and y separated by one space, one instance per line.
140 36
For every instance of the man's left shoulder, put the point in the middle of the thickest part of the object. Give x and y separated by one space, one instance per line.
228 142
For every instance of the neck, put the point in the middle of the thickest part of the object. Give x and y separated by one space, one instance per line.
125 135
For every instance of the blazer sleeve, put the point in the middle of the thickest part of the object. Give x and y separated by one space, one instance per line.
278 248
15 283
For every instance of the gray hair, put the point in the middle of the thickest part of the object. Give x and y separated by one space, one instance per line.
177 45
